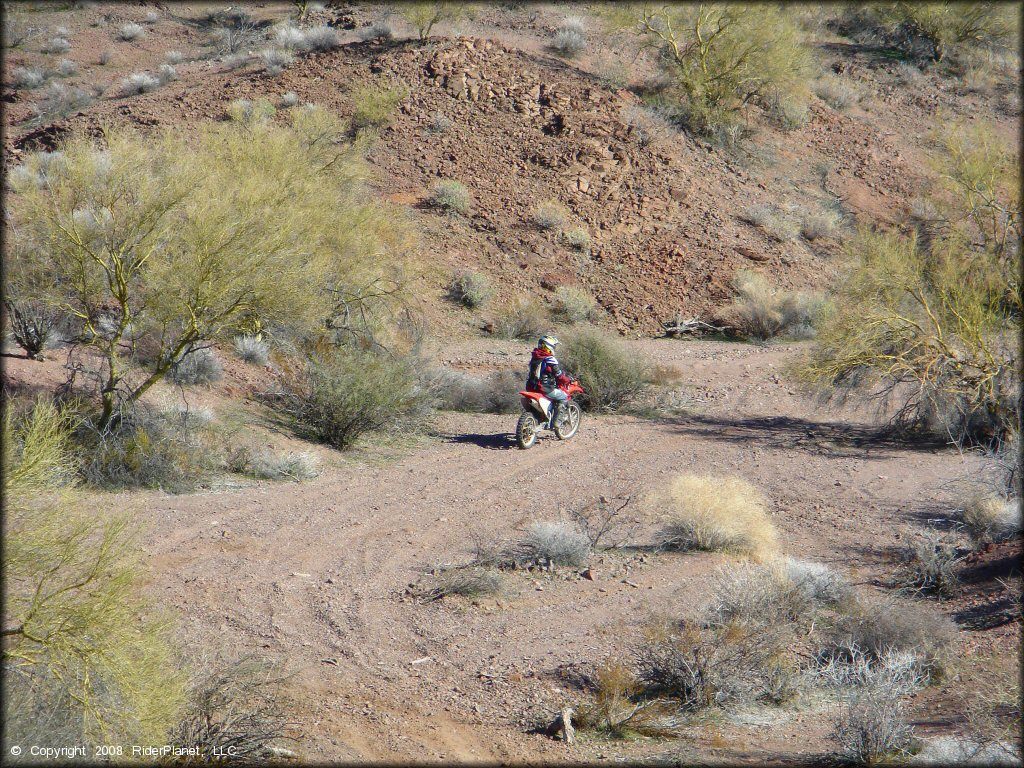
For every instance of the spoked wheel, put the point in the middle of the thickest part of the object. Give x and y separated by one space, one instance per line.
570 423
526 430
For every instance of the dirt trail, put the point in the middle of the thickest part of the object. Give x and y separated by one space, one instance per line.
314 573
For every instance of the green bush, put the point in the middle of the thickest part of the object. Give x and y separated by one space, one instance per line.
723 56
612 375
525 319
470 289
574 305
345 393
375 105
450 196
948 27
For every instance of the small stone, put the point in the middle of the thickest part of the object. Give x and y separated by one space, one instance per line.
588 574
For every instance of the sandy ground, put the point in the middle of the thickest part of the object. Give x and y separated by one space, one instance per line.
314 574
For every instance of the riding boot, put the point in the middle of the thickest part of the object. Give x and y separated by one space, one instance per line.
556 410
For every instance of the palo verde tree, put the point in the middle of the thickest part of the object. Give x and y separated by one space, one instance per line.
86 660
425 15
933 317
948 26
163 242
724 56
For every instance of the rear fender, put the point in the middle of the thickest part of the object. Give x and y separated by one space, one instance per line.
535 401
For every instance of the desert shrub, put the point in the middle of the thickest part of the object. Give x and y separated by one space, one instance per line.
555 543
56 44
577 239
524 319
836 92
61 100
198 365
139 82
716 514
105 58
822 224
498 392
266 465
381 29
611 375
17 31
290 38
570 38
33 324
466 582
130 31
289 99
86 659
943 27
424 15
574 305
66 68
235 705
247 112
759 596
872 724
550 215
722 57
883 627
252 349
819 582
621 709
375 105
275 60
321 38
930 566
27 78
470 289
341 396
152 17
440 123
773 221
166 73
174 57
762 312
989 518
450 196
305 260
704 665
931 323
171 450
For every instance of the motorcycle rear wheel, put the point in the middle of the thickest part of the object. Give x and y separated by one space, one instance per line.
569 426
526 430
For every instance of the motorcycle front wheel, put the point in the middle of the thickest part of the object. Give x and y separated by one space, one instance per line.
570 424
526 430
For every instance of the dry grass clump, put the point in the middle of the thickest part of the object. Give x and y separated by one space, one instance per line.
248 112
381 29
836 92
577 239
465 582
27 78
574 305
763 312
816 226
759 595
450 196
139 82
66 68
820 583
61 100
931 566
555 543
524 319
57 44
992 518
551 214
174 57
470 289
266 465
196 366
130 31
716 514
252 349
276 59
773 221
569 40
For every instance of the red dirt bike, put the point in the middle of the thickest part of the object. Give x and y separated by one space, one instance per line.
537 414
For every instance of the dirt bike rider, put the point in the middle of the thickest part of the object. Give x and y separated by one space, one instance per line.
547 376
